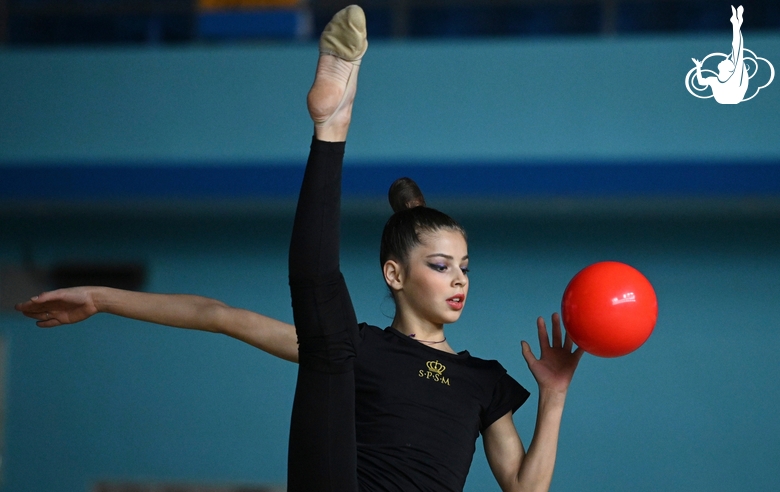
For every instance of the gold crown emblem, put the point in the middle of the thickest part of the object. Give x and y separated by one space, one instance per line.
435 366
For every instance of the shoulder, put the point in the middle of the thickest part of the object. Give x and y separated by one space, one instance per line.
506 393
366 326
369 330
373 335
487 365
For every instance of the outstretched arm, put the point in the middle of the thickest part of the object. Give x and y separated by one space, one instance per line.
76 304
514 469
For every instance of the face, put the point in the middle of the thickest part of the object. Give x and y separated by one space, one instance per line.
433 282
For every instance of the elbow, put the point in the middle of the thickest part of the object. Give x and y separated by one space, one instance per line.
215 316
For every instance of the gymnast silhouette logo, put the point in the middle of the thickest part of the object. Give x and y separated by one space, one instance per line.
729 85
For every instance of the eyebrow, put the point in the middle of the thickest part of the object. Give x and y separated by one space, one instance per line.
448 257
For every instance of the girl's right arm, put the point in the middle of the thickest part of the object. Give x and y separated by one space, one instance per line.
76 304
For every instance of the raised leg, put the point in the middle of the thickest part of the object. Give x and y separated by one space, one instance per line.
322 451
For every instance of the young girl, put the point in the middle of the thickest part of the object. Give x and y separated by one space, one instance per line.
395 409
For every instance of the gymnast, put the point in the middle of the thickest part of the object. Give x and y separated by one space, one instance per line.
394 409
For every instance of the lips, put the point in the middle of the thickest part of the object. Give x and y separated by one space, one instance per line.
457 301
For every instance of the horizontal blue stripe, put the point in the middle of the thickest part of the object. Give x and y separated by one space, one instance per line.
77 182
244 24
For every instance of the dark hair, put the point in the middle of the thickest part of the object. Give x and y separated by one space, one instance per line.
411 218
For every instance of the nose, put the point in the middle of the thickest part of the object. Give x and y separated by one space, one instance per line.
460 278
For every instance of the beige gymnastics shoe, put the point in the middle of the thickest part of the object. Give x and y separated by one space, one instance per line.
345 35
342 46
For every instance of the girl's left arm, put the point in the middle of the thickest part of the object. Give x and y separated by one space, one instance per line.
514 469
504 451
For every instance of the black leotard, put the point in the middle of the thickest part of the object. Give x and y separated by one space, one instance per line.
420 410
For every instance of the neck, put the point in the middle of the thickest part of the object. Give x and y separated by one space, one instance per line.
429 342
419 330
428 334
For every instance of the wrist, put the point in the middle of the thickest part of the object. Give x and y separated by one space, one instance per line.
99 297
552 396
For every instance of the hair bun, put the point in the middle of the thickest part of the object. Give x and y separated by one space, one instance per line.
405 194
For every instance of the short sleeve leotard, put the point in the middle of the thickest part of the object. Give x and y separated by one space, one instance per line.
419 411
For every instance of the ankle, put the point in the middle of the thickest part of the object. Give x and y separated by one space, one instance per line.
334 132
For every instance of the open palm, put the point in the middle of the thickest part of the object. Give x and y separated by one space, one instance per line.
555 367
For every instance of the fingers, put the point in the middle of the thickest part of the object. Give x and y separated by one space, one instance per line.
44 319
556 335
528 354
558 338
36 305
541 329
568 342
49 323
33 301
38 309
578 354
39 315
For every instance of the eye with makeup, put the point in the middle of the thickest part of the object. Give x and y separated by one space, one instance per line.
441 267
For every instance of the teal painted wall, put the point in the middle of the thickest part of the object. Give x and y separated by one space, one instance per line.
552 99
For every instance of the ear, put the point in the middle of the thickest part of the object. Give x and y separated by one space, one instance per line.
394 275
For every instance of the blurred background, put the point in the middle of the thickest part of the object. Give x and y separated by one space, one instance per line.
158 146
24 22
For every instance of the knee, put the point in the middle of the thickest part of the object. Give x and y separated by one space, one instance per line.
333 353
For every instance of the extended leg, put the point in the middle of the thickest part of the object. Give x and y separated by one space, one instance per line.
322 452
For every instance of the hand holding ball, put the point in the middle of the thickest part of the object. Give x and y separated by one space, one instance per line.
609 309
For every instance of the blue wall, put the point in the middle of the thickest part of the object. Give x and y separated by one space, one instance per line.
693 409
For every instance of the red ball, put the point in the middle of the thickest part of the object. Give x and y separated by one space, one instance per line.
609 309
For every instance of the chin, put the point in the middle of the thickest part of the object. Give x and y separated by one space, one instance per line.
452 318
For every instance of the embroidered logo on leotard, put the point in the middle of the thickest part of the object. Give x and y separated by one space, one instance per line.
435 372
